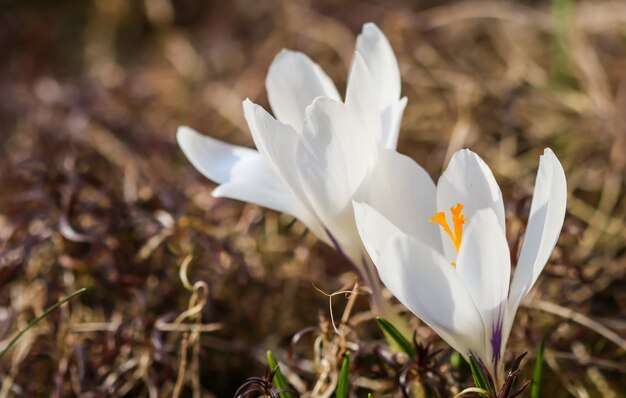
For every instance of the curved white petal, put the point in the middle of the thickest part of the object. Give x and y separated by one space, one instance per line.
293 82
213 158
244 175
547 212
391 120
403 192
361 101
333 159
468 180
375 49
428 286
484 267
242 172
382 64
253 181
276 142
374 229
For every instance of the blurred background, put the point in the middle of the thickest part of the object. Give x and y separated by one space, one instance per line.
95 193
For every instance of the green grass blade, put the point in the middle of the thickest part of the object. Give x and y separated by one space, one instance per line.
534 389
478 376
394 334
279 378
342 385
561 64
38 319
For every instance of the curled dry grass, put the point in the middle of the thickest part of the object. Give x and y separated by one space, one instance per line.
94 192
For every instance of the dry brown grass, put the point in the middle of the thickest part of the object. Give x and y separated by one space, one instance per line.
95 193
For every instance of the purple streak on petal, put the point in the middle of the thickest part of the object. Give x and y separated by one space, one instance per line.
343 254
496 340
338 247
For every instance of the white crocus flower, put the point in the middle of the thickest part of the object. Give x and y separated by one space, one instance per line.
442 250
316 152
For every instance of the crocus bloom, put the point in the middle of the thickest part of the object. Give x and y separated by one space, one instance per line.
315 153
442 250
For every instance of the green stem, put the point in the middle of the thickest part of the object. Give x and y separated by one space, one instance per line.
38 319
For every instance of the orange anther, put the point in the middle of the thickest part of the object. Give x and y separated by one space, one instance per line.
458 220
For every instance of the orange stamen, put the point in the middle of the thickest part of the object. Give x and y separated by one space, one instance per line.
458 220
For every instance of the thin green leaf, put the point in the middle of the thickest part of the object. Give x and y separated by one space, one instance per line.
279 379
560 50
38 319
394 334
535 387
342 385
477 374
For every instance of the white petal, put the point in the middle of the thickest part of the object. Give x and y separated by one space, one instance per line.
361 101
382 64
243 174
428 286
253 181
403 192
391 120
468 180
333 160
484 267
213 158
276 142
374 229
547 212
293 82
